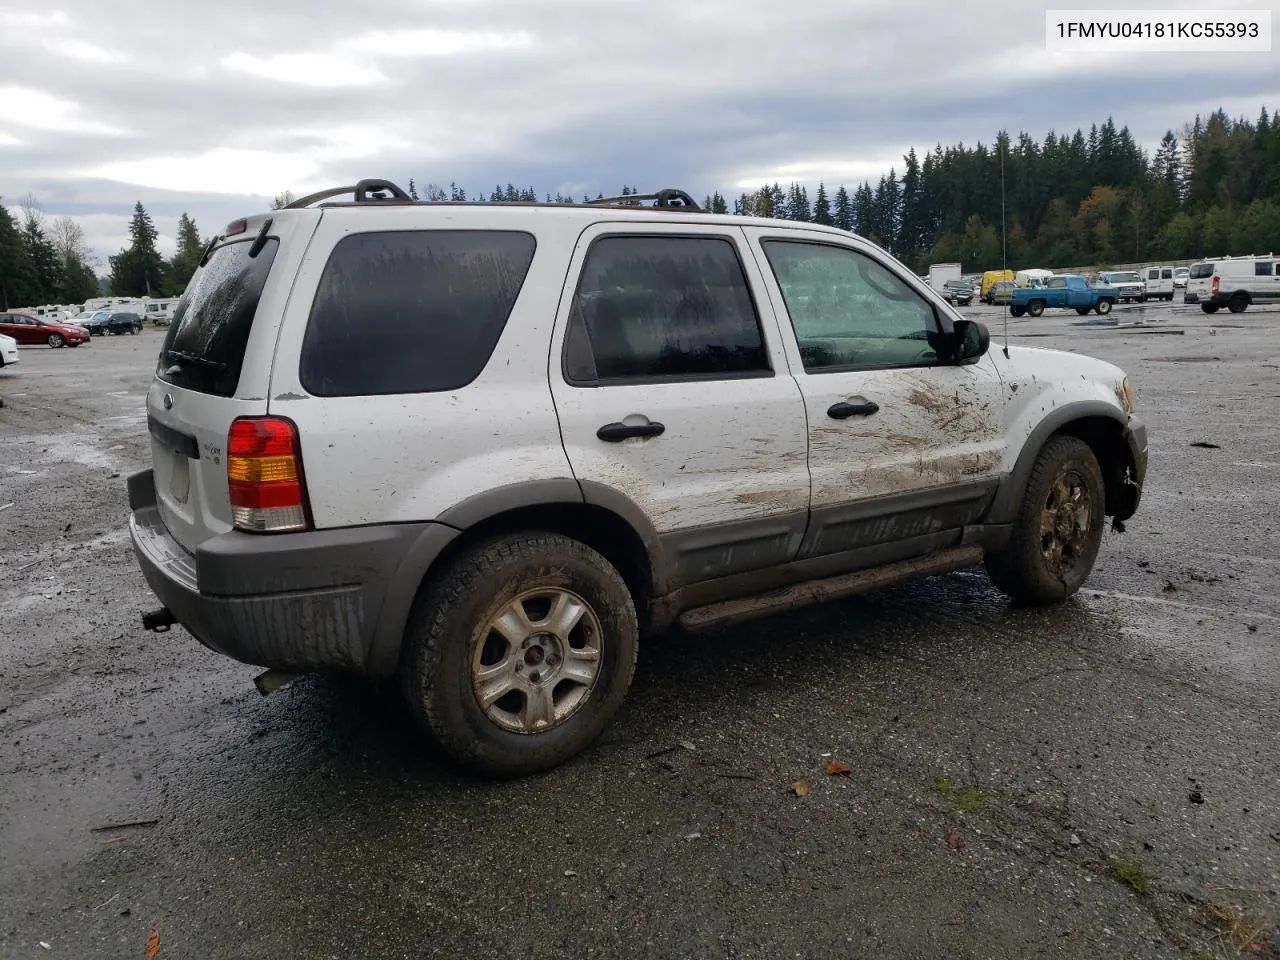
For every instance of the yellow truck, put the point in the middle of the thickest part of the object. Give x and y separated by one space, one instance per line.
991 278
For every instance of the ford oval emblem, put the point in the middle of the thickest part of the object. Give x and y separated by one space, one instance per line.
168 401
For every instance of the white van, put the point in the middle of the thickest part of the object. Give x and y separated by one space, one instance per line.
159 312
1159 282
1234 283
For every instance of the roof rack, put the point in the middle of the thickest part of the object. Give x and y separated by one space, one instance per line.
664 199
366 191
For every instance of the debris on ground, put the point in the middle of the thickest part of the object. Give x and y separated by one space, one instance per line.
126 824
1195 795
1205 445
955 839
153 945
836 768
800 788
1169 587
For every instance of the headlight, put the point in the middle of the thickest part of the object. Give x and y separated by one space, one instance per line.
1128 397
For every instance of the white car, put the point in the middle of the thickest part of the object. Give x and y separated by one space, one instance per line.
1234 283
489 447
1180 275
8 350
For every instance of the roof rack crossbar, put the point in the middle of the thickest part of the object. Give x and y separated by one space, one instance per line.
669 198
366 191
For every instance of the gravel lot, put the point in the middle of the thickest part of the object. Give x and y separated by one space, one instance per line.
1101 779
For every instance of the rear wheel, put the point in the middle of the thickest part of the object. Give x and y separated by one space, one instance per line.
1209 307
1103 307
1035 308
520 652
1238 302
1058 530
55 340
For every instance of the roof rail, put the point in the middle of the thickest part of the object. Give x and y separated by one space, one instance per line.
666 199
366 191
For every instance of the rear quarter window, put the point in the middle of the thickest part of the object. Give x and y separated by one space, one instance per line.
411 311
204 348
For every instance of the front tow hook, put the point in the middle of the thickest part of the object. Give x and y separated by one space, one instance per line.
158 621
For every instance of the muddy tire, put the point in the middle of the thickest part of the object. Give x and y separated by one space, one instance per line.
1103 307
1238 303
1035 308
1058 530
520 652
55 340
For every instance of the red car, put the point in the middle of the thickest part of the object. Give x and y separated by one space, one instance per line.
28 329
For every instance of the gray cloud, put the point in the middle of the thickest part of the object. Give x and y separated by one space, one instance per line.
210 108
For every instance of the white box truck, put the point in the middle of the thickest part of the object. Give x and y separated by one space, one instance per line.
940 273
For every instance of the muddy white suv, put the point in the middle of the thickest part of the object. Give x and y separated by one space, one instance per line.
489 446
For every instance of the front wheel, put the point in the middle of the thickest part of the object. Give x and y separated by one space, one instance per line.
1058 530
1103 307
1016 311
1209 307
520 652
1238 303
1035 308
55 340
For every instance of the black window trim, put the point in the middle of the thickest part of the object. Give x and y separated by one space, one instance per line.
1271 268
675 378
515 302
943 324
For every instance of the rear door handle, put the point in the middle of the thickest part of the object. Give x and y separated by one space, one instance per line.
843 410
615 432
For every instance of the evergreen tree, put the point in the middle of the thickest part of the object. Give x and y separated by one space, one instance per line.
18 281
138 269
46 265
843 216
185 259
822 206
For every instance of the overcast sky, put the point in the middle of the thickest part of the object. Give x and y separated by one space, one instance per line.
213 106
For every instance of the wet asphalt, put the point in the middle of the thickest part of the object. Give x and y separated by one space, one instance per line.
1099 779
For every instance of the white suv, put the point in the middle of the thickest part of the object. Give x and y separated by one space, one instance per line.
488 446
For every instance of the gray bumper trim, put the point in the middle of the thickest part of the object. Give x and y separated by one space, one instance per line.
324 599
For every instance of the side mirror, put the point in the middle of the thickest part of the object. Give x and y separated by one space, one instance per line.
970 340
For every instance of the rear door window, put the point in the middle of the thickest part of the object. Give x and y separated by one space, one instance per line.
411 311
652 308
204 348
1201 271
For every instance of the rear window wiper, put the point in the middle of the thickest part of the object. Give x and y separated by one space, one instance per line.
193 360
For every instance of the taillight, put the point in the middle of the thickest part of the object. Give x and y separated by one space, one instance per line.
264 476
1214 285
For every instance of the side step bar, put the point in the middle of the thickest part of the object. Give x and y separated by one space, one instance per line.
831 588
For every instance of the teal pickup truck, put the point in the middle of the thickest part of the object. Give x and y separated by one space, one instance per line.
1066 291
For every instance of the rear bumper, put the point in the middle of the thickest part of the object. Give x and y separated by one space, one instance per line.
324 599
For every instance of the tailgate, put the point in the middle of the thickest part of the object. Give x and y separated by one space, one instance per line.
215 366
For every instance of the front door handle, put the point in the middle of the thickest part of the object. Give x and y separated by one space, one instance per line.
843 410
615 432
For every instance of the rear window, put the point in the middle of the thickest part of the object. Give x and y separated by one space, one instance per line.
1201 270
411 311
204 348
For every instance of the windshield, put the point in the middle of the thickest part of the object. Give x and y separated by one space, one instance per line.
205 345
1123 277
